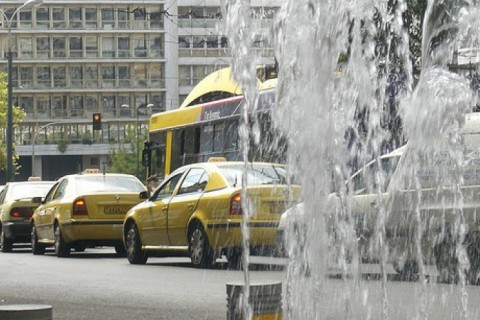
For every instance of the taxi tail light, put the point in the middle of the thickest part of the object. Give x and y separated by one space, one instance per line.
21 212
236 205
80 207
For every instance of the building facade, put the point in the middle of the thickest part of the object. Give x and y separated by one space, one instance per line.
122 59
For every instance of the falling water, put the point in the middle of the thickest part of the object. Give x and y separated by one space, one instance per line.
339 62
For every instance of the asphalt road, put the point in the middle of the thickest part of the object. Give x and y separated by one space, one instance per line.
96 284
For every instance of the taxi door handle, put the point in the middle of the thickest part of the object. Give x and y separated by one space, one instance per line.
191 206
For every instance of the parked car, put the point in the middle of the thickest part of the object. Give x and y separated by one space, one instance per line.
292 228
16 209
429 203
198 211
83 210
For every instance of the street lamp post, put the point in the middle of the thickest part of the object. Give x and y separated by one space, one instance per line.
9 131
150 105
33 145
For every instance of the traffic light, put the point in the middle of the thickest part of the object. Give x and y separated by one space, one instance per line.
97 121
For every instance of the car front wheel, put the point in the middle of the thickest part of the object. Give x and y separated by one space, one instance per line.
61 247
37 248
135 254
201 253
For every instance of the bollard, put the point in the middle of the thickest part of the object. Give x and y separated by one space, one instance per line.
265 300
25 312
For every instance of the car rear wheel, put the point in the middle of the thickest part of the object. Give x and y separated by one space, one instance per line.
5 243
201 254
408 270
37 248
135 254
61 247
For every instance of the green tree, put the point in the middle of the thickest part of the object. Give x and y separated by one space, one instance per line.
125 159
18 115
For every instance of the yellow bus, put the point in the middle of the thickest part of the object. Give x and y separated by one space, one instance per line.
198 130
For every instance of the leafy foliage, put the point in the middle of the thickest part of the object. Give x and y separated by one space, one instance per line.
18 115
126 159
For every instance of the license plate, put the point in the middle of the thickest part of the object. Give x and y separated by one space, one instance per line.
115 209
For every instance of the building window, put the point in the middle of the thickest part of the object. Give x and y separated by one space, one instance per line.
43 77
156 75
139 18
59 77
108 47
91 47
26 77
91 103
108 76
58 17
76 106
156 47
76 47
43 106
43 18
109 105
198 42
139 76
139 45
75 18
43 47
26 47
212 42
59 47
26 18
156 19
124 76
123 44
90 18
76 76
26 103
184 76
122 18
184 42
108 21
91 76
59 106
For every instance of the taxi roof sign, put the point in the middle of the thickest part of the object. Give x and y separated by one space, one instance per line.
34 179
217 159
90 171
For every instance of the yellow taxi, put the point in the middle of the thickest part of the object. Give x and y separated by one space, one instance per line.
16 209
199 210
84 210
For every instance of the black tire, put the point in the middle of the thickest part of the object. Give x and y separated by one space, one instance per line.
79 248
234 258
120 250
37 248
134 252
61 247
5 243
201 254
446 262
409 270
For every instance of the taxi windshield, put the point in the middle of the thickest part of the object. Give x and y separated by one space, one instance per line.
103 183
27 191
257 174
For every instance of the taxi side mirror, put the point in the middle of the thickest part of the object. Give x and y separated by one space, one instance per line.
144 195
37 200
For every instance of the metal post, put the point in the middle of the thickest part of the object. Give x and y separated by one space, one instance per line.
9 131
9 114
137 149
33 145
